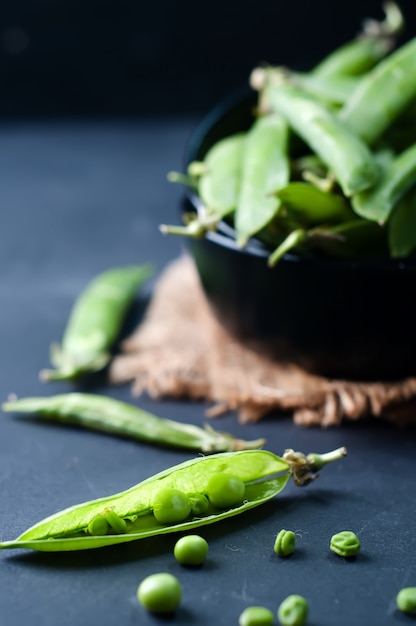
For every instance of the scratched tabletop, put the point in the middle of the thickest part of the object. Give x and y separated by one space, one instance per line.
78 198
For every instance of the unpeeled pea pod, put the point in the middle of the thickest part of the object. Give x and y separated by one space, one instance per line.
174 496
94 323
382 94
113 416
265 170
365 51
377 204
402 226
218 180
312 205
350 160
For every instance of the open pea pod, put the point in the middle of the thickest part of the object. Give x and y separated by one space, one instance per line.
132 515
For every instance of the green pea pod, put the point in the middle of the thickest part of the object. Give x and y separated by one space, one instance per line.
382 94
334 90
218 185
350 160
264 475
377 204
314 206
402 226
113 416
265 170
95 322
365 51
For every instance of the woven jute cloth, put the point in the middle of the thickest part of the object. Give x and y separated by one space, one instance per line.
181 350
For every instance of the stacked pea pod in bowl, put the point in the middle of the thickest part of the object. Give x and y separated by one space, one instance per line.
301 208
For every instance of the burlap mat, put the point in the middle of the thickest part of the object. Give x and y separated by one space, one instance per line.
181 350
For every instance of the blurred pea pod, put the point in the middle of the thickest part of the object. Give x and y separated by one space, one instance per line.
217 179
119 418
377 203
350 160
262 475
311 205
361 54
94 323
265 170
382 94
402 226
332 90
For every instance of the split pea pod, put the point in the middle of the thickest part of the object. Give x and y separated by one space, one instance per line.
350 160
382 94
95 322
217 181
265 170
262 474
108 415
398 177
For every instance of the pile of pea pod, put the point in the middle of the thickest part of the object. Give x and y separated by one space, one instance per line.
328 166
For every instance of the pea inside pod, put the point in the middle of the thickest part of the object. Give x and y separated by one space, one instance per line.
263 473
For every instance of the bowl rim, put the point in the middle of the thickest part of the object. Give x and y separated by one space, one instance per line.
225 234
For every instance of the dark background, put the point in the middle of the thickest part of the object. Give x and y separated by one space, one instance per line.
128 58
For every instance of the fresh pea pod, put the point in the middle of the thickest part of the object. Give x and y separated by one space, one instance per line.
377 204
265 170
402 226
95 322
113 416
218 184
382 94
365 51
350 160
311 205
333 90
263 473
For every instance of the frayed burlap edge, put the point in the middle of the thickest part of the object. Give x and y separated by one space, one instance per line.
180 350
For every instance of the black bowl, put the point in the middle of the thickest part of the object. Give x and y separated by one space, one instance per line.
344 318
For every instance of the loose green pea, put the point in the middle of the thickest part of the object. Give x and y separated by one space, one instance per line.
256 616
285 543
345 543
98 526
225 490
117 523
293 611
406 600
160 593
191 550
171 506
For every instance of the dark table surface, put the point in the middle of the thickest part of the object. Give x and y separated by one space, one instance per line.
77 198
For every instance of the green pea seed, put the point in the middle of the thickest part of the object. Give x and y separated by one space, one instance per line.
199 504
406 600
256 616
285 543
225 490
191 550
293 611
171 506
117 523
345 543
98 526
160 593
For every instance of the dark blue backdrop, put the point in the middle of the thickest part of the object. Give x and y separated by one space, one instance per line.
90 57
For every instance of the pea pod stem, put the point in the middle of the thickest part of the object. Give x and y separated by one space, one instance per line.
264 475
109 415
94 323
